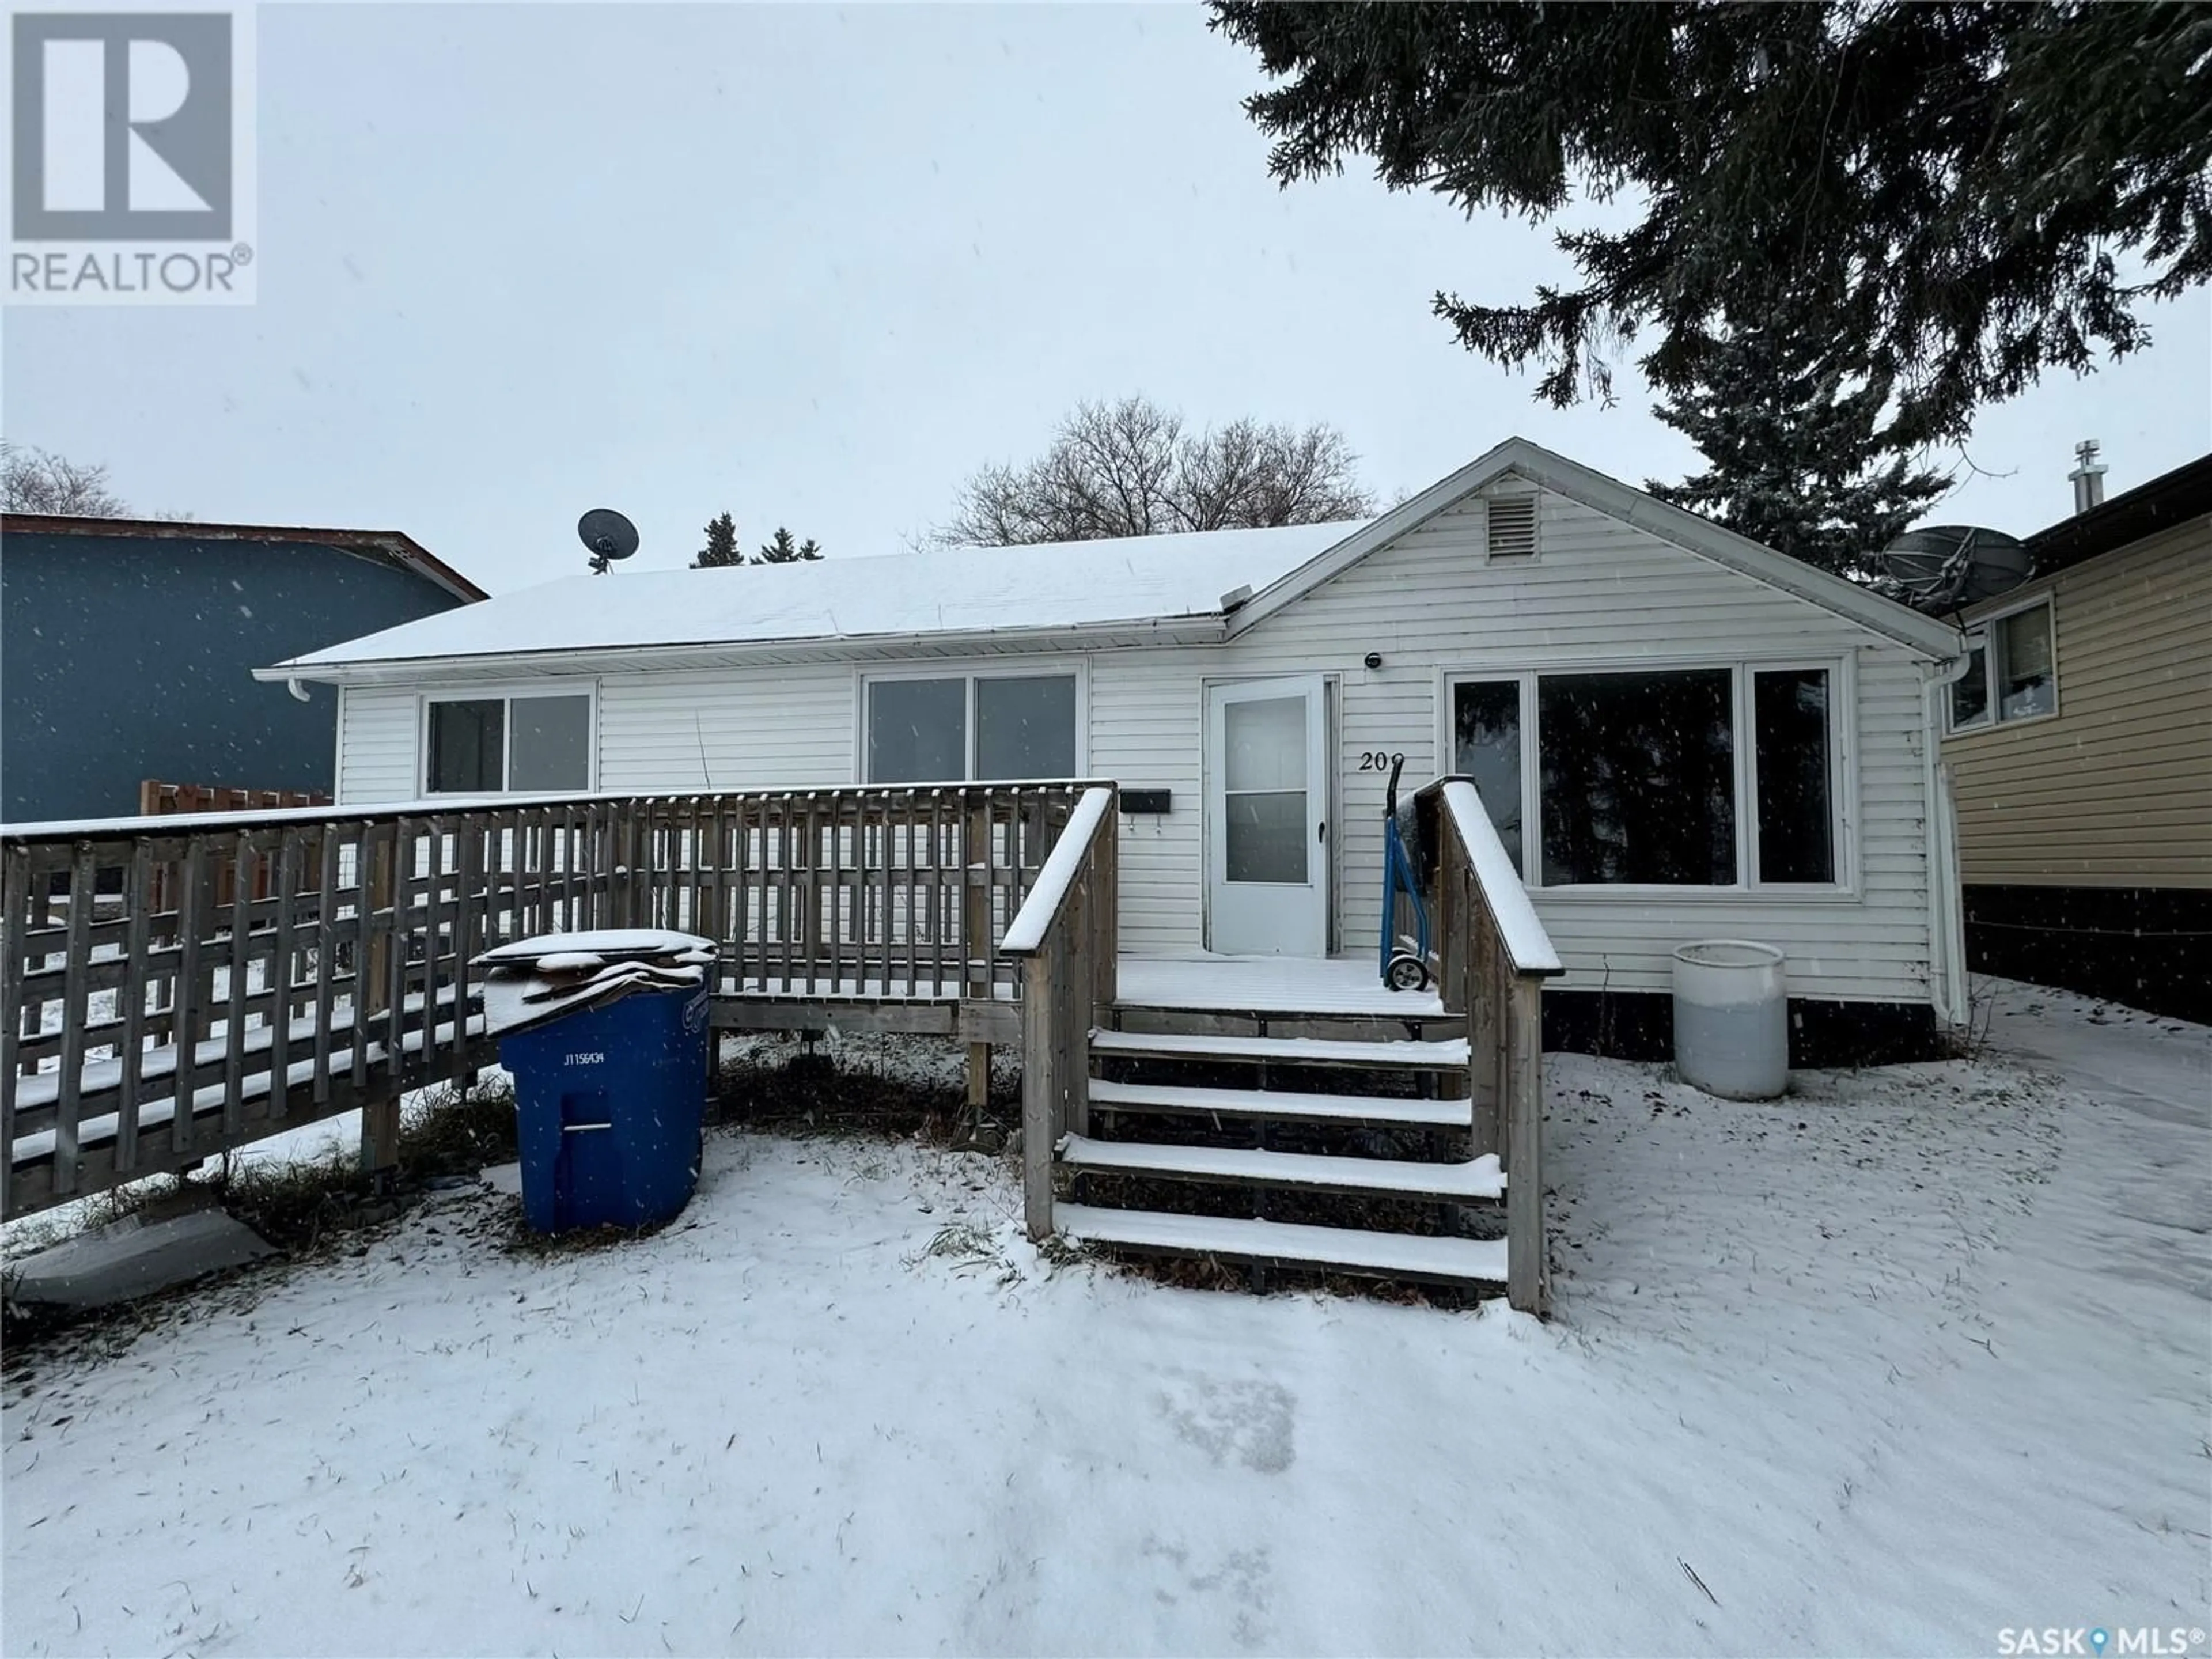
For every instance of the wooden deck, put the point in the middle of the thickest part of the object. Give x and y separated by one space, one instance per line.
173 987
1348 986
179 986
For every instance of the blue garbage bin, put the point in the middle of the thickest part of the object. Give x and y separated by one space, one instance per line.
610 1104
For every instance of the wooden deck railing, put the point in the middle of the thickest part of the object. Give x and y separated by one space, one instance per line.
1065 939
1493 957
172 988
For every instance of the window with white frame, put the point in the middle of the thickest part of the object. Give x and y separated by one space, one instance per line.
962 727
1643 778
487 745
2011 670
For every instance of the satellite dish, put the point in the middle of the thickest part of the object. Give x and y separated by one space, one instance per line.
1945 567
608 535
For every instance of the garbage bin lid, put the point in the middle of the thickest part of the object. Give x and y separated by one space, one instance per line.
602 946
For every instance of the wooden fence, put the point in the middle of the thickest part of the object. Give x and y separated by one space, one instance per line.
173 987
159 799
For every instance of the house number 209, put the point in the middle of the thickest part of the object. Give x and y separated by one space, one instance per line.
1374 760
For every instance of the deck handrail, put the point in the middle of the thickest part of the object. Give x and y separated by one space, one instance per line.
1055 883
1065 941
423 806
1493 956
1521 933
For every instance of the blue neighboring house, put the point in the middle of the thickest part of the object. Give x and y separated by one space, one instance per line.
127 647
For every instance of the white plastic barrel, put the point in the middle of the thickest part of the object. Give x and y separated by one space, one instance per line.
1732 1018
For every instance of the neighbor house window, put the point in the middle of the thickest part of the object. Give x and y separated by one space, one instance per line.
2011 672
487 745
1656 778
2024 680
984 727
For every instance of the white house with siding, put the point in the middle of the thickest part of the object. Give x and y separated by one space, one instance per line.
1681 734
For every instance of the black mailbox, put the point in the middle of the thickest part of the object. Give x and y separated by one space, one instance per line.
1145 800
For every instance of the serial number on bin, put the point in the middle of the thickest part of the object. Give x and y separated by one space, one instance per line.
593 1057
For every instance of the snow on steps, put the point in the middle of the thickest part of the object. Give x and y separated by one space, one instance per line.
1466 1182
1282 1106
1397 1055
1337 1249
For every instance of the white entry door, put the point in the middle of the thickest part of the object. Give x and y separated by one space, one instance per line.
1267 811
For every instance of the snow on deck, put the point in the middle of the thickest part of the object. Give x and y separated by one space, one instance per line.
940 589
1308 985
1909 1357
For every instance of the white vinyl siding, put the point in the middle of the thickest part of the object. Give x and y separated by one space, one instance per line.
1599 593
757 728
1602 593
377 735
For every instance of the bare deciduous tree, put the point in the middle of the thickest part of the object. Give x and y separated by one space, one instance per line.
38 481
1131 469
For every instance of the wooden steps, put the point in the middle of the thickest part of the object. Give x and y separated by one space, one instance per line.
1470 1181
1414 1256
1386 1198
1279 1106
1408 1055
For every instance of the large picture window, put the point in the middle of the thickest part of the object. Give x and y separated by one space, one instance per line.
490 745
2011 672
980 727
1639 778
1680 777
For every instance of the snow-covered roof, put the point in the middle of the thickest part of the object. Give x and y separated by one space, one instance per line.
943 591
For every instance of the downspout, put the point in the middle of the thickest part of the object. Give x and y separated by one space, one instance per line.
1946 923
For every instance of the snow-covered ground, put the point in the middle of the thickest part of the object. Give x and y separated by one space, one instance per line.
1905 1361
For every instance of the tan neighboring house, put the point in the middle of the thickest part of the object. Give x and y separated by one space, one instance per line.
2080 749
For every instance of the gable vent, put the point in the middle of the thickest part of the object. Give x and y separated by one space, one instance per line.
1512 533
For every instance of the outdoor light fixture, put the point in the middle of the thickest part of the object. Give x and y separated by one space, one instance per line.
1374 659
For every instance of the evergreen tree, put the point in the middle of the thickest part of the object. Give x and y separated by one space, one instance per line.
722 548
781 549
1972 193
1798 457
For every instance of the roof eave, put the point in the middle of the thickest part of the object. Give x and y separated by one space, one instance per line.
1202 628
394 544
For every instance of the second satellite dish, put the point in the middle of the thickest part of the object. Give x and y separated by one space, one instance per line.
608 535
1940 568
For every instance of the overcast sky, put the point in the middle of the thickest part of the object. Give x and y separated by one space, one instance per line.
813 265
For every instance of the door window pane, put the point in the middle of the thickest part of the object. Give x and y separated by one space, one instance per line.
1969 692
1026 728
468 747
550 743
917 731
1790 728
1487 747
2023 660
1265 740
1267 835
1639 778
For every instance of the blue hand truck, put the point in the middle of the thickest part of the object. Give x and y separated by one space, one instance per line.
1402 969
